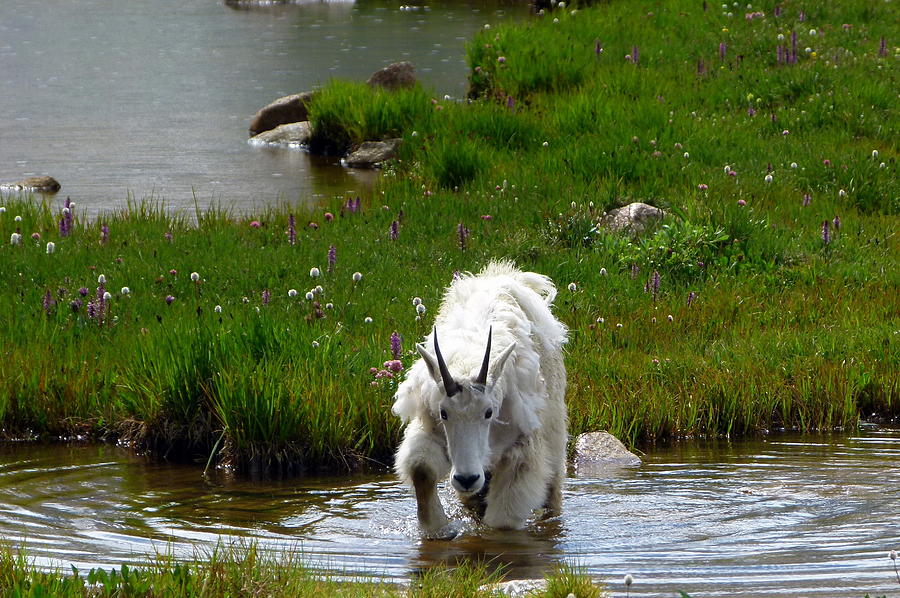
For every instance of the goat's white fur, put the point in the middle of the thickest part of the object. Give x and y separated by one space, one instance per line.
523 443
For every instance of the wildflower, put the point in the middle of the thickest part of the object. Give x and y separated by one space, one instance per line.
18 219
104 234
727 169
357 276
598 48
826 234
875 153
328 216
634 271
793 165
169 299
882 48
395 345
741 202
101 279
76 305
655 284
545 144
842 193
168 237
487 217
768 178
36 236
394 365
501 59
836 223
315 344
628 578
310 296
329 306
332 258
394 231
807 199
292 293
314 272
462 233
292 229
785 132
83 291
107 296
691 297
670 318
572 287
702 186
367 320
826 162
602 271
255 224
686 155
2 209
265 297
722 50
619 325
125 291
51 246
218 309
195 277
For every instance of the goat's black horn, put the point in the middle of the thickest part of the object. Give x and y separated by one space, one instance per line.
450 385
482 375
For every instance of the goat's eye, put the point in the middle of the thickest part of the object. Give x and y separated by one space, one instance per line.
443 414
488 414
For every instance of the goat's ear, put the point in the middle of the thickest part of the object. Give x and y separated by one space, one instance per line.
430 361
497 365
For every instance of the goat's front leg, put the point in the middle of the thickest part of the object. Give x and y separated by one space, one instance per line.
422 461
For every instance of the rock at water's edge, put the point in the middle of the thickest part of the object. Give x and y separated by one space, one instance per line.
290 134
40 184
370 154
601 450
394 76
283 111
518 588
633 218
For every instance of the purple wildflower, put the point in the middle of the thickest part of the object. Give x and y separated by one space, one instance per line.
826 234
83 291
722 50
776 12
292 230
792 59
654 285
779 55
691 297
462 233
265 296
510 103
332 258
882 49
104 234
456 275
168 236
836 223
394 365
91 310
807 199
635 55
802 16
598 48
48 302
396 347
751 111
76 305
169 299
395 230
701 68
357 205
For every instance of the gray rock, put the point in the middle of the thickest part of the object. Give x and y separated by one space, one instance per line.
394 76
599 451
290 134
39 184
634 218
518 588
370 154
283 111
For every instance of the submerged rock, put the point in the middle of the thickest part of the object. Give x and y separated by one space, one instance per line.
394 76
39 184
293 134
370 154
597 451
283 111
634 218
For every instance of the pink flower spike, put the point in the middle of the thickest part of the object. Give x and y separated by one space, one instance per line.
487 217
703 186
255 224
741 202
329 216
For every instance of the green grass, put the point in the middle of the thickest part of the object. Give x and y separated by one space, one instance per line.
757 322
248 572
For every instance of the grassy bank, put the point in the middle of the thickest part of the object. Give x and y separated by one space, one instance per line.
247 572
768 298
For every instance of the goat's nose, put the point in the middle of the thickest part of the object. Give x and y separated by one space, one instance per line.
466 481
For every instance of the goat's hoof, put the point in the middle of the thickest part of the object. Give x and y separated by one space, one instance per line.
447 532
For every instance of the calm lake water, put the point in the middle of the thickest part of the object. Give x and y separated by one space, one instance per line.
153 99
785 516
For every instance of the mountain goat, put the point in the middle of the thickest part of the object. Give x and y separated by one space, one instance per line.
493 418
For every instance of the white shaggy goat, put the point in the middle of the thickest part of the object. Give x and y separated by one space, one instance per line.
494 419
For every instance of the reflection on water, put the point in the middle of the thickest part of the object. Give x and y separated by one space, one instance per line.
155 98
785 516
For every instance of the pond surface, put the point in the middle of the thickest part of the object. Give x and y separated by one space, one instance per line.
153 99
785 516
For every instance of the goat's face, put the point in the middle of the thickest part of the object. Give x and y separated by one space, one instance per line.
467 417
467 409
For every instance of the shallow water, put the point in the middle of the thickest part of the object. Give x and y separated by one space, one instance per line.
153 99
785 516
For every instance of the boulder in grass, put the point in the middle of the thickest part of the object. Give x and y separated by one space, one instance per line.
37 184
596 452
370 154
394 76
634 218
293 134
283 111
